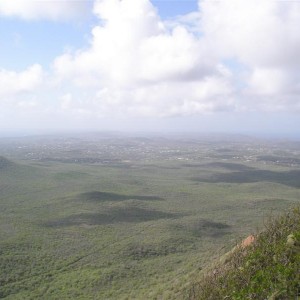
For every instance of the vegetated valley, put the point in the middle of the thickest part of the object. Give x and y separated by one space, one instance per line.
110 216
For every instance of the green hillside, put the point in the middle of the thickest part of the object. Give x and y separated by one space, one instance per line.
128 218
267 269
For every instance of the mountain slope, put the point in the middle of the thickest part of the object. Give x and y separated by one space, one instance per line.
269 268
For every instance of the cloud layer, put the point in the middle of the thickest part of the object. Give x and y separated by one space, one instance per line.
263 36
231 55
15 83
138 65
44 9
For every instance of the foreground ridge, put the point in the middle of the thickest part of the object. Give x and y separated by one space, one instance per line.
264 266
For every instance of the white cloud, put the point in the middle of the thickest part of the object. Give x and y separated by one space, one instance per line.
13 83
264 37
138 65
66 101
251 30
44 9
22 96
163 99
268 81
27 104
151 67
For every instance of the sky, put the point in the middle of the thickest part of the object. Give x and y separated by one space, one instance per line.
228 66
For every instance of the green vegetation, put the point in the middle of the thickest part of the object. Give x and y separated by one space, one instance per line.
269 268
128 218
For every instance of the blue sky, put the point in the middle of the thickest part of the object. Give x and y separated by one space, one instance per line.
172 8
219 66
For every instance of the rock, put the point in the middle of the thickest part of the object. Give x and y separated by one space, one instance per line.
291 240
248 241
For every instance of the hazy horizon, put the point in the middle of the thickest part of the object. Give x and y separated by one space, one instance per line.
168 134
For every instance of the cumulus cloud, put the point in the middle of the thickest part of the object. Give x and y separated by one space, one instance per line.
269 81
231 55
139 65
13 83
263 36
44 9
158 100
22 95
262 33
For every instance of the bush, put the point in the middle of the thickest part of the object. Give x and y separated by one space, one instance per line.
269 268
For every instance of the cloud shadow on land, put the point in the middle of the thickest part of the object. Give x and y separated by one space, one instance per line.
228 166
5 163
210 228
113 216
205 228
290 178
96 196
